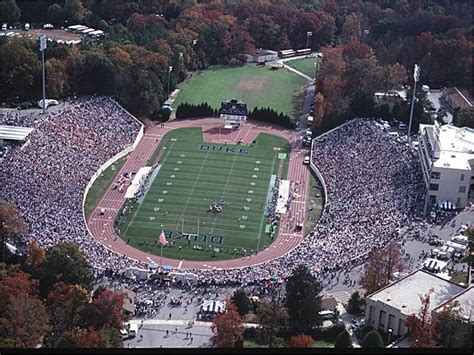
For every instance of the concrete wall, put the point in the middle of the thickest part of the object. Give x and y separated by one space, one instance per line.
449 184
382 317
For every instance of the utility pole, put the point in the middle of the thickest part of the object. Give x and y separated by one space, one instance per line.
416 76
42 47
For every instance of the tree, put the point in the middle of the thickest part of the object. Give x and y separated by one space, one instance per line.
272 317
105 311
64 263
228 327
35 255
56 14
9 11
11 225
242 302
423 328
65 305
343 340
451 329
74 11
301 341
383 263
372 340
469 258
354 304
464 118
318 112
23 316
303 300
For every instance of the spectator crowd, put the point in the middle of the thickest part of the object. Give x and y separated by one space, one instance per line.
373 189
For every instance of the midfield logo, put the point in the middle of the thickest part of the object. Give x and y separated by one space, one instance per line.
202 238
223 149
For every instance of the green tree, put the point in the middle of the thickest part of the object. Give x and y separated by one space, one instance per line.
74 11
272 317
56 14
12 225
372 340
64 263
303 300
354 304
464 118
20 70
9 11
343 340
242 302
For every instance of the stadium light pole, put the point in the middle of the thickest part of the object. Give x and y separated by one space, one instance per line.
308 34
42 47
169 79
416 77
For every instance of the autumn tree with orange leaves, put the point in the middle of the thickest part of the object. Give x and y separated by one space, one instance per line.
383 264
423 333
301 341
228 327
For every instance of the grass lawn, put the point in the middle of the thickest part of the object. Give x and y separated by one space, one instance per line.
257 86
315 203
100 185
306 66
322 344
191 176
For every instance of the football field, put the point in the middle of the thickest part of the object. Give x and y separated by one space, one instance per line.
194 175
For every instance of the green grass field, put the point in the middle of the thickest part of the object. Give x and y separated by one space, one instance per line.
190 177
100 185
306 66
257 86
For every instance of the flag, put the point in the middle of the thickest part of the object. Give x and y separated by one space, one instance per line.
162 239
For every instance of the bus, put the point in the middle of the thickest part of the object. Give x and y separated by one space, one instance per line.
304 51
286 53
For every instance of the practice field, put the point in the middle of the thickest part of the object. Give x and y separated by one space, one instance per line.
192 175
257 86
306 66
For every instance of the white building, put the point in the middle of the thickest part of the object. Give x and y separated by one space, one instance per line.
447 160
389 307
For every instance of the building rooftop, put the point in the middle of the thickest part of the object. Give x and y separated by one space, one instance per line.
14 133
405 293
456 146
466 304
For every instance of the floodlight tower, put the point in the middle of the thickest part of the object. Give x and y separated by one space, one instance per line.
416 76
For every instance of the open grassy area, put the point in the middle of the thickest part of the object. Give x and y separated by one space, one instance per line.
191 176
306 66
257 86
100 185
315 203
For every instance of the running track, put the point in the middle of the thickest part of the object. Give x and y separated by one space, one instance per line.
102 226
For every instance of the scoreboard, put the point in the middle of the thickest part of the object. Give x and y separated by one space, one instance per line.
233 110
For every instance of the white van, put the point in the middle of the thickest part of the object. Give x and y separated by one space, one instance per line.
4 27
133 330
306 160
124 334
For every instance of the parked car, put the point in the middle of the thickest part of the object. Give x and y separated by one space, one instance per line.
306 160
